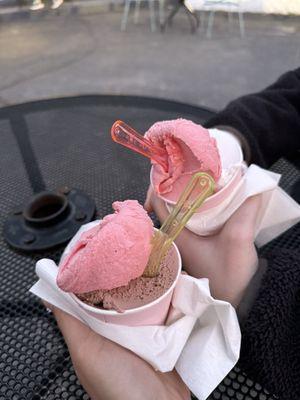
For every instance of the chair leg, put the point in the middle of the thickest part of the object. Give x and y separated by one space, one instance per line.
152 15
169 19
137 11
190 19
161 5
198 19
202 20
242 24
229 19
210 24
193 19
125 15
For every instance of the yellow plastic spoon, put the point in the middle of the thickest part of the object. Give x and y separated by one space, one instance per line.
177 219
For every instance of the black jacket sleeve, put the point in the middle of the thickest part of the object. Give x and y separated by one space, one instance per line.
269 120
271 333
268 124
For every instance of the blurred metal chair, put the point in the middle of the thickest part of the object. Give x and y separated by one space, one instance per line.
151 4
217 5
39 4
190 12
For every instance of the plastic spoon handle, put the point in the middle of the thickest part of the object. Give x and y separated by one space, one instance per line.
178 218
128 137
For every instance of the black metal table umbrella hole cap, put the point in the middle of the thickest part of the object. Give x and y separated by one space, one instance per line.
48 219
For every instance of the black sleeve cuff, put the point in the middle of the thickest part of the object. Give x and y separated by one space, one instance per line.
251 292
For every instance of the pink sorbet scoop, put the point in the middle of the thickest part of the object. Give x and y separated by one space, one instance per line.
189 148
110 254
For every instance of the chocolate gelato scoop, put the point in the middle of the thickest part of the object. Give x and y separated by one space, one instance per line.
138 292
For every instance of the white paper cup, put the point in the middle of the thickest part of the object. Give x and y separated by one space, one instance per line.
205 223
154 313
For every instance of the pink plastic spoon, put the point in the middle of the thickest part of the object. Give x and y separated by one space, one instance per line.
128 137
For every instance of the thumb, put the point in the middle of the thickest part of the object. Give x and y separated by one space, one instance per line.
243 222
148 202
73 330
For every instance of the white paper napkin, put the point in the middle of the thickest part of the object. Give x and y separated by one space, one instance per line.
201 338
278 211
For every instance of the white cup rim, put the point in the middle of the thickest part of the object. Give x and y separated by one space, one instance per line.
219 193
101 311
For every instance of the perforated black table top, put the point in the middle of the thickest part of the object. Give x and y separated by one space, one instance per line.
50 144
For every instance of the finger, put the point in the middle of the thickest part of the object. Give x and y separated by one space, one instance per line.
73 330
243 221
159 207
154 204
161 211
148 202
48 306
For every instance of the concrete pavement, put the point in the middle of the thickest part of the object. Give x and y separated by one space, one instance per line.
79 50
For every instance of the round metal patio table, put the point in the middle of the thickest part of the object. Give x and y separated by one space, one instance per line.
46 145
